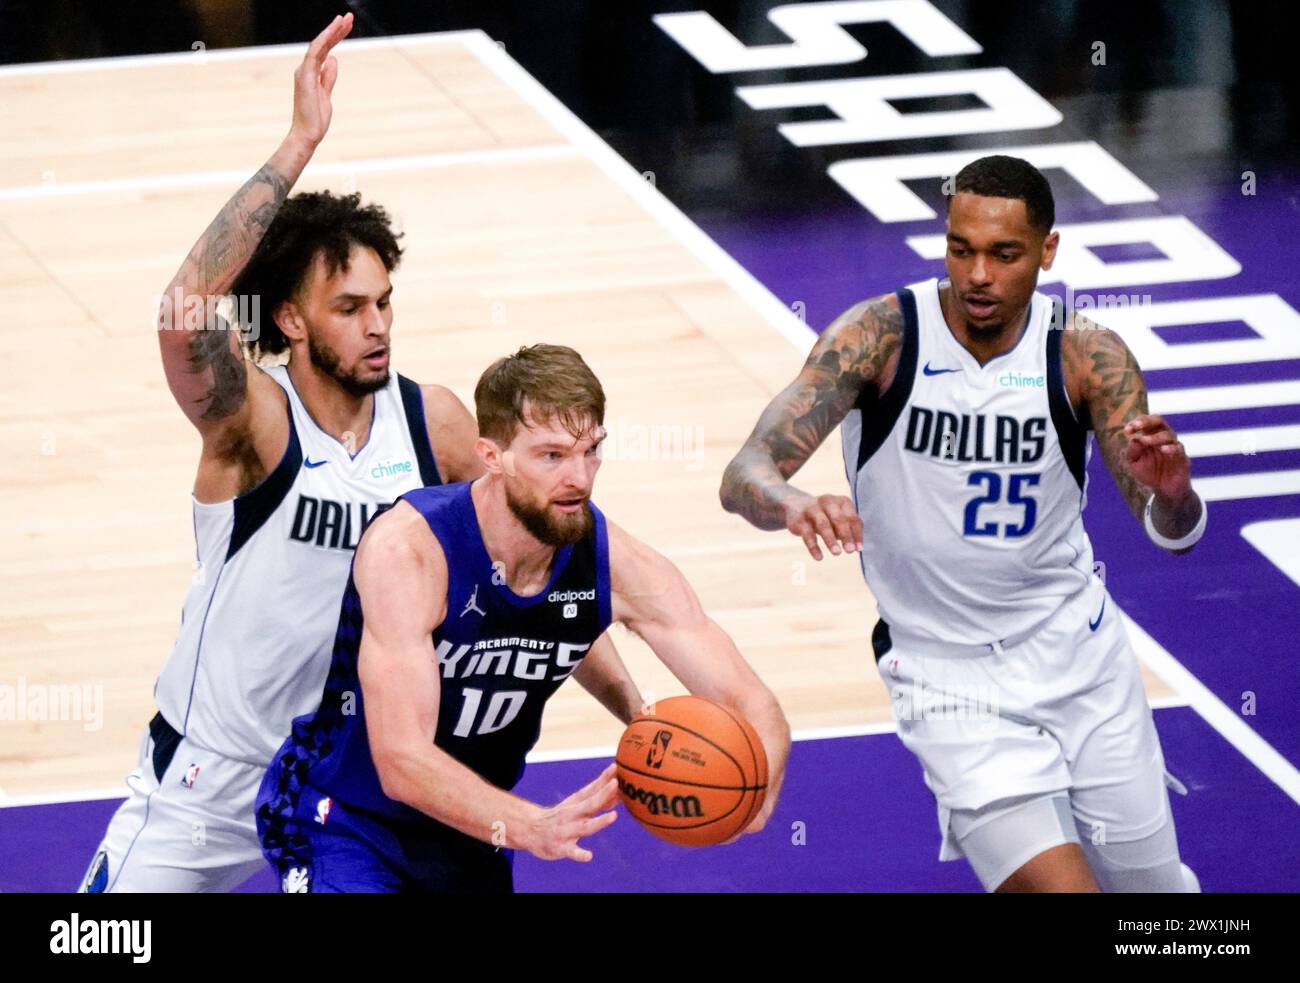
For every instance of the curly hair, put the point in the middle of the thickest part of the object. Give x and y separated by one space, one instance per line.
310 224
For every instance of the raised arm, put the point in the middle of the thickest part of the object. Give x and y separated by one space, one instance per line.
653 599
401 577
1141 451
205 369
859 350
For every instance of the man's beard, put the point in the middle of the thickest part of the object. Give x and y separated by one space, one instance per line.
551 528
327 360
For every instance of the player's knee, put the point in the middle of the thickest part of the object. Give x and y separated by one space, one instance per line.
1029 844
1150 865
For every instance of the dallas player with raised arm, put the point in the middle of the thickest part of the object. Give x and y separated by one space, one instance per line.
966 415
469 605
295 459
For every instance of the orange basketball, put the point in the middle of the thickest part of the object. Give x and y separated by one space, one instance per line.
692 772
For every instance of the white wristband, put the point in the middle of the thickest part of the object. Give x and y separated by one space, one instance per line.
1176 544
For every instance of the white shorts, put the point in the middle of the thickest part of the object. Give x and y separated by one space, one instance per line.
187 825
1062 712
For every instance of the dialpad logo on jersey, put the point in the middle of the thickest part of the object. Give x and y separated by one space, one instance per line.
654 755
296 880
659 804
974 437
190 777
332 525
323 811
572 595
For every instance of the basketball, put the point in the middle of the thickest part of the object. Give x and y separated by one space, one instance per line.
691 772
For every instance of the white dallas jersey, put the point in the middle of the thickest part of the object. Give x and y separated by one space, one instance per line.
970 481
257 629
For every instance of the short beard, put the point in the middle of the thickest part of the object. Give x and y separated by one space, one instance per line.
549 528
327 360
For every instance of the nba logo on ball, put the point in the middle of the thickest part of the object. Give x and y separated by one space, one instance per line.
708 787
190 777
570 610
658 748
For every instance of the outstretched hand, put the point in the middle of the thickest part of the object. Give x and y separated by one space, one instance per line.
313 82
556 835
1157 458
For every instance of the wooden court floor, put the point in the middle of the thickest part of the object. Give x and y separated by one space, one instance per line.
520 226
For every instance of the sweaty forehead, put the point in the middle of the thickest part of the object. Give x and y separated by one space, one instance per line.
980 219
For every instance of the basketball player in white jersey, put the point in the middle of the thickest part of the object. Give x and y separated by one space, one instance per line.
296 459
966 412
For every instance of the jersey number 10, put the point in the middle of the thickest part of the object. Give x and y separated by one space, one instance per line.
992 482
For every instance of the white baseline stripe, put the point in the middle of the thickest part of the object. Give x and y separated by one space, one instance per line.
223 54
559 754
1214 711
373 165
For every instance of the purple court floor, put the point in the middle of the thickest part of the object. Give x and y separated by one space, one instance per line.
868 824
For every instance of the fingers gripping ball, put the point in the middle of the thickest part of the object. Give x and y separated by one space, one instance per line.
692 772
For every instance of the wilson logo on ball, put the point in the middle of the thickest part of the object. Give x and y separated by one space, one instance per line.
658 804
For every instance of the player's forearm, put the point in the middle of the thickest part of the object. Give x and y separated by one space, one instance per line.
754 488
603 675
432 781
230 239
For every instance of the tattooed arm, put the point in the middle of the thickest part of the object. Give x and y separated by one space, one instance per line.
858 350
1141 451
205 369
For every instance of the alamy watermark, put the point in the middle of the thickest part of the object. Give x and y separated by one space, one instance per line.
181 311
629 440
53 701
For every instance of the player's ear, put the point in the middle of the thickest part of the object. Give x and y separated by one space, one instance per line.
290 321
495 460
1049 249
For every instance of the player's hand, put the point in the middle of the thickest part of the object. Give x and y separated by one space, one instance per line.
832 517
557 830
1157 458
313 81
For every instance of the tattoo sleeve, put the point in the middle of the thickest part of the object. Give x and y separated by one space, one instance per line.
207 370
1108 379
851 354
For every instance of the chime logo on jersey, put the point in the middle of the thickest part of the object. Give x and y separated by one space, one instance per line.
190 777
323 810
331 525
973 437
392 469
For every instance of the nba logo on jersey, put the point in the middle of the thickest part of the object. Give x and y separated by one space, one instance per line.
190 777
323 810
